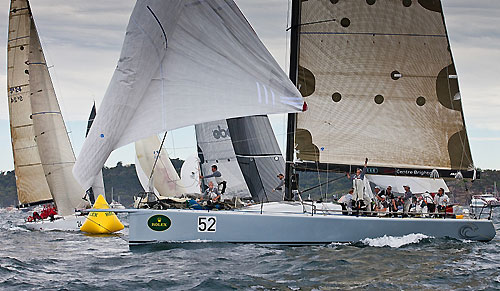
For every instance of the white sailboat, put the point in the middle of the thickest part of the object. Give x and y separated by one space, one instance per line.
43 156
191 51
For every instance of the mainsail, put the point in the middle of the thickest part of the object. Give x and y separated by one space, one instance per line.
53 142
165 178
32 187
215 148
178 58
258 155
380 82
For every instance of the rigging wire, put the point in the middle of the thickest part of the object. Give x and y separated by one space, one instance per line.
157 156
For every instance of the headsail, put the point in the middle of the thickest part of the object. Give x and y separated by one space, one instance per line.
380 82
165 178
258 154
32 188
54 145
215 148
98 185
178 58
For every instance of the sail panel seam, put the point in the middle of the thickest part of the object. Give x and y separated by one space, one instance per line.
373 34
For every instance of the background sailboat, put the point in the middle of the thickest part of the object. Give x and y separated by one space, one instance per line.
43 155
32 187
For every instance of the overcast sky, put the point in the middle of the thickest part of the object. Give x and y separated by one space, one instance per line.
82 41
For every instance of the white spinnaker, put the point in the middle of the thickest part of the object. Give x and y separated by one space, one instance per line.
214 58
98 185
54 145
190 172
417 184
165 179
31 184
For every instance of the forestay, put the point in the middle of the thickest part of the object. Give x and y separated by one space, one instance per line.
380 82
31 184
215 148
179 56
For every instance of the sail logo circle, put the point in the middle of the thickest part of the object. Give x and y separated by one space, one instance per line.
220 132
159 222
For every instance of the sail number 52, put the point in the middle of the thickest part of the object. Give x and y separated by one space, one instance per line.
207 223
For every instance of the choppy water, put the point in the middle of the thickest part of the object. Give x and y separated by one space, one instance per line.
58 260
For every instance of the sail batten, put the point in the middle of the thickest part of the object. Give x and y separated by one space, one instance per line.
203 54
380 82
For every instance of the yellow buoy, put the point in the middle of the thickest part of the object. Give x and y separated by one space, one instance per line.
101 222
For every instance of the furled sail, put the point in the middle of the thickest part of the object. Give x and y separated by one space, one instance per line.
32 187
165 178
51 136
178 58
215 148
258 154
380 82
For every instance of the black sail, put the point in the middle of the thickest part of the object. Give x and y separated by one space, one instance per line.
91 119
258 155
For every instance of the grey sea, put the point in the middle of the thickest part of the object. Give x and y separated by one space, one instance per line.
71 261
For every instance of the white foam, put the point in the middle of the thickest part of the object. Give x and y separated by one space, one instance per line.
395 242
17 228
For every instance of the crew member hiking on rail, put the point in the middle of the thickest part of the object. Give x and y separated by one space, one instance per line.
221 184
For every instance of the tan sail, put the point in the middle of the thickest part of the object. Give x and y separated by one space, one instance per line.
30 179
380 82
165 179
54 145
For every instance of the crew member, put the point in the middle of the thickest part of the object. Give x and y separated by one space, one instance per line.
408 199
441 200
280 184
429 202
389 196
212 194
221 183
358 186
346 202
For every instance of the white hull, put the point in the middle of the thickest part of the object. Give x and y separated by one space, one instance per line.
63 223
286 223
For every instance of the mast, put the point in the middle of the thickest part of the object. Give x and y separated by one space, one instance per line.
293 74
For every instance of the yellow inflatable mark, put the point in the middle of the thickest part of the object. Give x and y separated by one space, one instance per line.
101 222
